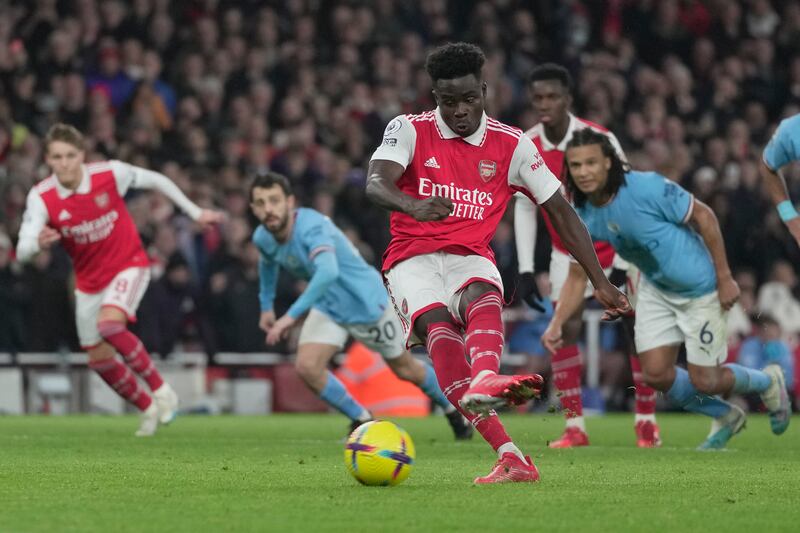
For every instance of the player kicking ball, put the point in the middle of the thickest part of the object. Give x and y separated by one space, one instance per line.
447 176
82 207
685 291
345 296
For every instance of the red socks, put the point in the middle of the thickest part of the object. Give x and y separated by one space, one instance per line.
132 349
122 380
645 395
567 369
484 332
448 354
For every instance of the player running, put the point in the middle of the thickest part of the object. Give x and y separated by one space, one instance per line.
685 290
345 296
782 149
550 92
447 176
82 207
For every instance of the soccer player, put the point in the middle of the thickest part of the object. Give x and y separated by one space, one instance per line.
345 296
782 149
550 92
447 176
684 292
82 207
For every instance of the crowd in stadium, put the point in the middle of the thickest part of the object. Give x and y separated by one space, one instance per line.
212 92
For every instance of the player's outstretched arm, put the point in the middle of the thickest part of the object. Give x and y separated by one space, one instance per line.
778 193
569 301
705 221
382 190
578 242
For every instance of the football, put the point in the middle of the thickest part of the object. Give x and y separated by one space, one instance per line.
379 453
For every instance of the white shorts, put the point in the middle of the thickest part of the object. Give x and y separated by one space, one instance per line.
125 292
384 336
665 319
559 270
428 281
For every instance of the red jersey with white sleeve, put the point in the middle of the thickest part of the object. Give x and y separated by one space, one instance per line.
96 229
479 173
553 155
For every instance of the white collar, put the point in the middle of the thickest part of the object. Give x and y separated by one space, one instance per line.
547 145
476 139
83 187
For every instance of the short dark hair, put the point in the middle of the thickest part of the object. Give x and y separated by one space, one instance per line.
616 174
454 60
267 180
551 72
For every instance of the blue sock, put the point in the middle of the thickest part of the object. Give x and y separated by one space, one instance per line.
431 387
337 396
748 379
684 394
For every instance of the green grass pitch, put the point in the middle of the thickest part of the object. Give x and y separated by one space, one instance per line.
286 473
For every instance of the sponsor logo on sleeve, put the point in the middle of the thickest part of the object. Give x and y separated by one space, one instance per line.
389 141
538 162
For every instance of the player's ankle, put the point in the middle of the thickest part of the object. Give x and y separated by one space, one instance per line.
482 374
576 422
510 447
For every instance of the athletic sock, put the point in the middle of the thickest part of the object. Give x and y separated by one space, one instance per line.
645 405
336 395
448 354
122 380
748 379
484 333
567 370
132 350
683 393
431 387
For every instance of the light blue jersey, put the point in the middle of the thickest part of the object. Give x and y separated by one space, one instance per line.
341 284
646 223
784 147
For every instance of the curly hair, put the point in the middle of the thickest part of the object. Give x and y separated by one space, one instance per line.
551 71
454 60
616 174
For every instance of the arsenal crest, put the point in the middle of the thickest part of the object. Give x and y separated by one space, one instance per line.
101 200
487 169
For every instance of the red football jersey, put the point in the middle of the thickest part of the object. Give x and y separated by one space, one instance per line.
478 173
96 229
554 159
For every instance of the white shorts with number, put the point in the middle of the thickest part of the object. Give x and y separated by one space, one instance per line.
559 270
125 292
428 281
384 336
666 319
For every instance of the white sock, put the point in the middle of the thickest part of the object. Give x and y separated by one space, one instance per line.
512 448
576 422
482 374
644 418
364 416
449 409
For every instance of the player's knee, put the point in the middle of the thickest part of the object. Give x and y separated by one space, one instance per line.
657 377
705 382
108 328
308 369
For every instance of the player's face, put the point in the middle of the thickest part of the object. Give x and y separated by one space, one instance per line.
272 208
461 102
65 160
588 167
551 101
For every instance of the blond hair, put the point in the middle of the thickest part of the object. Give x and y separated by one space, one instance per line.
64 133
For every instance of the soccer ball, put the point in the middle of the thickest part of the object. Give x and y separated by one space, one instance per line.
379 453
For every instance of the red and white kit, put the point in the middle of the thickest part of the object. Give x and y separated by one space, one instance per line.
525 211
427 264
98 233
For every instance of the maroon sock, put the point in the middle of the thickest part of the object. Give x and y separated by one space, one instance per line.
122 380
448 354
484 332
567 368
132 350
